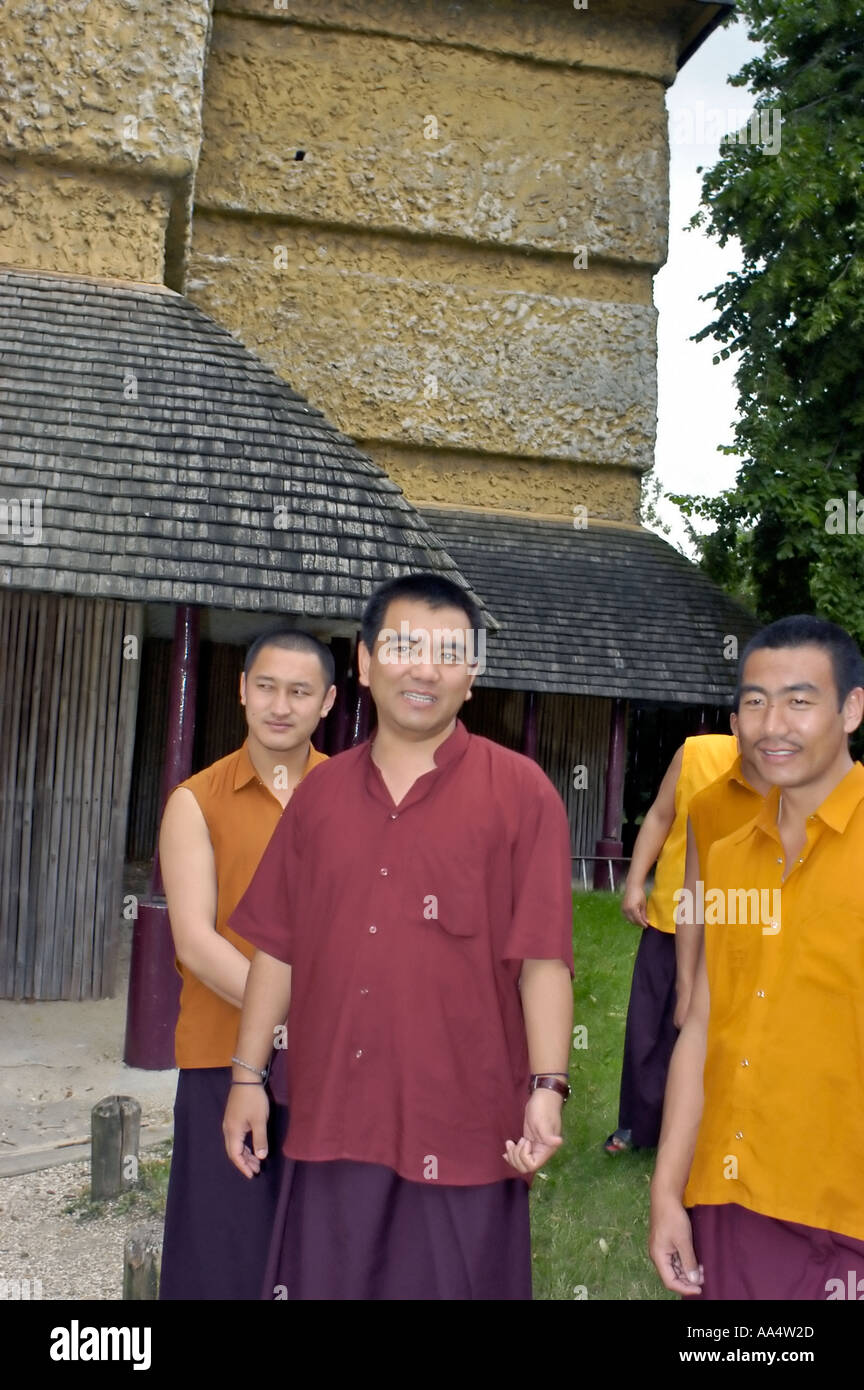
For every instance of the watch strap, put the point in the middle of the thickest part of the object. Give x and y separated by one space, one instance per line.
550 1083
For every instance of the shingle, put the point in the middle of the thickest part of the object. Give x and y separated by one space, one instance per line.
173 492
610 611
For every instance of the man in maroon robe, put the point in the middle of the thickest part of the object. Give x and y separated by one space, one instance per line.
414 908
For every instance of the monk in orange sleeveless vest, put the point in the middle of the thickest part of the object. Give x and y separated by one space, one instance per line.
214 831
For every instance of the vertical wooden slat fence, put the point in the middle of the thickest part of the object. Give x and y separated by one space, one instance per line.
572 730
221 723
220 727
66 731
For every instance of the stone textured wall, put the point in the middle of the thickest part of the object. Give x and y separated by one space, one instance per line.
458 269
100 130
499 482
83 223
396 353
630 36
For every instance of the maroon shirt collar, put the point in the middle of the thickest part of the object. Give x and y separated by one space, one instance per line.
446 756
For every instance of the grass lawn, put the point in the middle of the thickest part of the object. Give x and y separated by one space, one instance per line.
590 1213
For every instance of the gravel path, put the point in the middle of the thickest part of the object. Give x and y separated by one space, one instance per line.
38 1241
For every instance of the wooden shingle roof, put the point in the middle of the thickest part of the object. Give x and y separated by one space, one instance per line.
609 610
173 466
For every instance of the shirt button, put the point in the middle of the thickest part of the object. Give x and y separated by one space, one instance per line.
373 930
394 815
739 1134
364 991
383 873
359 1053
760 994
745 1062
779 861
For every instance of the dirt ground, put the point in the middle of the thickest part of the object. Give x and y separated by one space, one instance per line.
56 1061
49 1254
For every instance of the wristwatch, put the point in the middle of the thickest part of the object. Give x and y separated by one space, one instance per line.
550 1083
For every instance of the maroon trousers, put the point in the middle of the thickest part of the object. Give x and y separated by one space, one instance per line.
358 1231
217 1223
749 1256
649 1038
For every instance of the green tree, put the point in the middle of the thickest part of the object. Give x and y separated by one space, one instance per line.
794 316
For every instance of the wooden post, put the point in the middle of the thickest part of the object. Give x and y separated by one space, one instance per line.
360 720
141 1265
181 715
529 725
154 984
340 715
610 846
115 1126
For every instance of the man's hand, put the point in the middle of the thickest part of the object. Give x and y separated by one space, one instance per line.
246 1112
671 1247
634 906
541 1132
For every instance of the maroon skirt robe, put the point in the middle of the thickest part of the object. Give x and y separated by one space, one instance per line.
748 1256
218 1224
358 1231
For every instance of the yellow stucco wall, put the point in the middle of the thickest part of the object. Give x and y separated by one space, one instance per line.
100 130
83 222
459 270
640 36
396 353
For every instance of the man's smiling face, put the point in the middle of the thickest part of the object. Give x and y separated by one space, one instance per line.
419 673
789 723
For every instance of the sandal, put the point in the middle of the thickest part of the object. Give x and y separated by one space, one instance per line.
619 1143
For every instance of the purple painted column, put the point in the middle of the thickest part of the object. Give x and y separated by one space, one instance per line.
339 719
529 725
611 846
154 984
359 731
360 721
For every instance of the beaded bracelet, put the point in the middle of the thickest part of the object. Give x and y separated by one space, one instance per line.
259 1071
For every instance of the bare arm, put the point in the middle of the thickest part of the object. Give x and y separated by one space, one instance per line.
189 874
689 930
649 842
265 1008
671 1243
547 1007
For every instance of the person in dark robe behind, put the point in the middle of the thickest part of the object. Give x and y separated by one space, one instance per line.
663 969
757 1191
415 906
215 827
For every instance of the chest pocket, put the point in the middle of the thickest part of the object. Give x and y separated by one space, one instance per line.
446 889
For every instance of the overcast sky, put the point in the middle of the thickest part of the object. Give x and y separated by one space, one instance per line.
697 400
